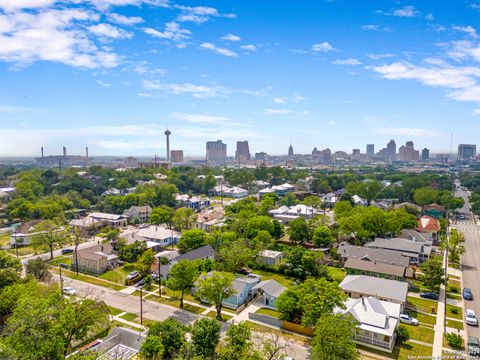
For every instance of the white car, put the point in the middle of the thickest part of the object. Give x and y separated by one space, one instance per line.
407 319
69 291
471 318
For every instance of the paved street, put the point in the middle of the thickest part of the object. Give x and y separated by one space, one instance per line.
471 259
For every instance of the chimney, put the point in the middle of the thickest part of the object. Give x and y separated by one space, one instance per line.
86 151
64 151
42 151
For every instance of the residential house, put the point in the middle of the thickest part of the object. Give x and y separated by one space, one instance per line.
414 235
358 286
330 199
376 320
159 234
434 210
236 192
112 220
359 201
429 225
377 269
260 184
283 189
416 251
96 259
182 198
140 212
197 203
121 343
269 257
286 214
269 290
264 192
86 224
23 234
347 251
208 219
408 205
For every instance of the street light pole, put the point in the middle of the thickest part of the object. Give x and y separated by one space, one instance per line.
61 280
159 279
141 306
16 246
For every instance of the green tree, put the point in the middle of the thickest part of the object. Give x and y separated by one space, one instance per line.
182 277
39 269
145 262
432 270
403 334
323 236
208 183
10 269
234 255
192 239
454 340
205 337
162 215
289 200
366 189
424 196
77 236
171 334
184 218
112 236
152 348
454 245
259 223
333 339
298 230
216 287
50 234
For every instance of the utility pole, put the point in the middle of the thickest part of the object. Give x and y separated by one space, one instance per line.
159 279
16 246
61 280
141 306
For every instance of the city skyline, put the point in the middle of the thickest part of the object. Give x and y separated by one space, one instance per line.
119 73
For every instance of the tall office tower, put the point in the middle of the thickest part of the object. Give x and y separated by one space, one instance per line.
407 152
370 150
391 151
216 151
176 156
42 151
167 135
64 151
290 150
242 154
425 154
86 151
260 156
466 151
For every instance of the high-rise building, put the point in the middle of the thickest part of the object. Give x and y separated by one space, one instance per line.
466 151
391 153
261 156
407 152
242 154
216 151
167 134
290 150
425 154
176 156
370 150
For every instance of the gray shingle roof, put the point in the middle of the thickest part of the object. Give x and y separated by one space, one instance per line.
270 287
199 253
396 244
378 255
376 267
378 287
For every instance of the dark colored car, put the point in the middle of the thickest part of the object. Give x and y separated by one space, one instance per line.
64 266
429 295
140 283
467 294
67 251
244 271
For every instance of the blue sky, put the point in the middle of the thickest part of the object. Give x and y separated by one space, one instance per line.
113 74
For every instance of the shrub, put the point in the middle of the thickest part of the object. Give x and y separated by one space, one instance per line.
402 334
454 340
454 289
454 311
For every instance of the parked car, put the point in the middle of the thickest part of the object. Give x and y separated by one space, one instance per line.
244 271
132 275
429 295
67 251
407 319
473 346
471 318
467 294
64 266
69 291
140 283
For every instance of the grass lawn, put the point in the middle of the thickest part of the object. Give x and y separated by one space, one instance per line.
118 323
114 311
89 279
212 314
454 286
426 304
281 279
450 314
5 239
336 273
177 294
62 260
265 329
269 312
176 303
22 251
455 324
114 275
422 318
420 333
453 296
406 351
129 317
419 285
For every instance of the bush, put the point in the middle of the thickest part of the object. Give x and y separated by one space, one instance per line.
402 334
454 289
454 311
454 340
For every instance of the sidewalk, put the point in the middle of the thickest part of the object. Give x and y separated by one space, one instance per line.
439 325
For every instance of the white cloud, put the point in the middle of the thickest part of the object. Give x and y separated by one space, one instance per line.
172 31
200 118
109 31
218 50
350 61
370 27
429 17
406 11
279 100
52 35
249 47
11 5
231 37
469 30
199 14
323 47
11 109
125 20
103 83
277 111
197 91
380 56
411 132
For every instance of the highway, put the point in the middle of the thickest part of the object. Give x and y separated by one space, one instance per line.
471 259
